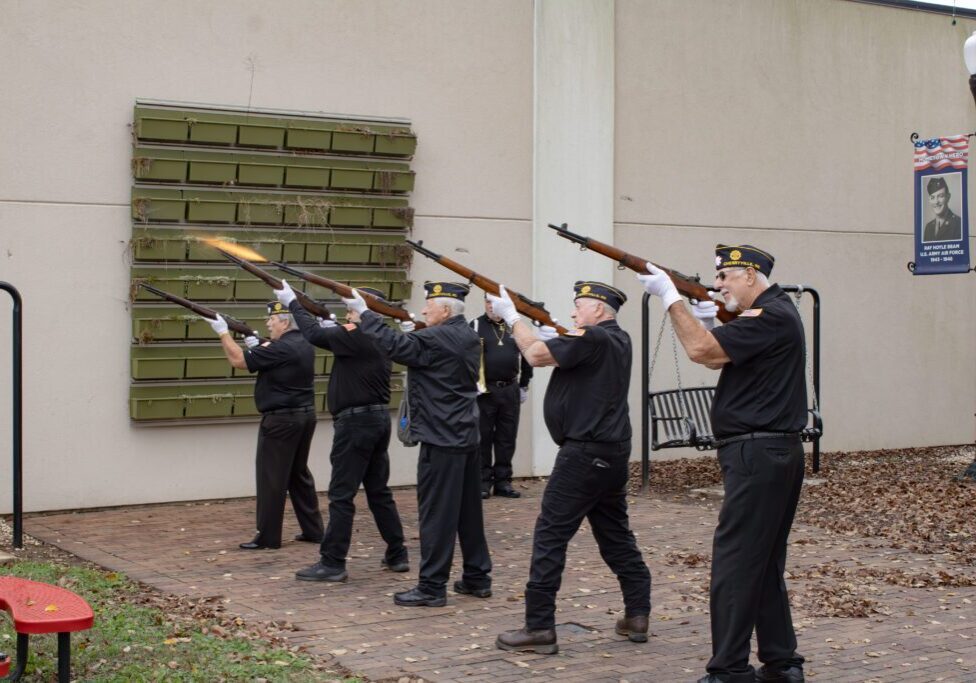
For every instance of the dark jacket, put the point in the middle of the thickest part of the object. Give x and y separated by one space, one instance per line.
951 229
360 373
286 372
442 375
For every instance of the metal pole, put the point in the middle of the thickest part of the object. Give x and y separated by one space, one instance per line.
645 401
816 369
18 415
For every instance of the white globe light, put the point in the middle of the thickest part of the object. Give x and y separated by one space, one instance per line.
969 53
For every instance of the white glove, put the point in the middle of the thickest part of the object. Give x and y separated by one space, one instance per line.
504 307
705 311
407 326
547 332
325 323
357 303
658 283
286 294
218 324
523 394
250 341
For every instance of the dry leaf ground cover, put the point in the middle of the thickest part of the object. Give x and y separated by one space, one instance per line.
880 566
912 499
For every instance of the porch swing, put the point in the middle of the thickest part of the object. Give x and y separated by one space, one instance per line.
681 417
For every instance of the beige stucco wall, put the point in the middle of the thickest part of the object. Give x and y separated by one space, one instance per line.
460 71
786 124
783 123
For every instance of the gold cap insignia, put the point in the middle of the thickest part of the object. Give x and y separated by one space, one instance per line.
585 289
735 255
437 289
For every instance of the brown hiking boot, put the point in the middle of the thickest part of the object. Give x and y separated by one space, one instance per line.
635 628
542 642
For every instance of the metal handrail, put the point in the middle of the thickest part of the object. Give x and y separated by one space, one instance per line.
18 414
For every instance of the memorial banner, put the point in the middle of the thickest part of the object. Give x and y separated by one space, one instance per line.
941 205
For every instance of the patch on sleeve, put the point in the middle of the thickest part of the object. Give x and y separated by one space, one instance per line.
266 344
751 313
575 333
349 327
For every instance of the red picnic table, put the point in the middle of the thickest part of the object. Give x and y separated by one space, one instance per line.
37 607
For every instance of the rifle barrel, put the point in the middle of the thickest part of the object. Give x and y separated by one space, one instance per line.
689 287
203 311
419 246
374 303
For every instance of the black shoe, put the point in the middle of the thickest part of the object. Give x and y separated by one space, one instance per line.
417 598
321 572
464 589
541 642
257 545
399 566
791 674
506 491
307 539
746 677
485 494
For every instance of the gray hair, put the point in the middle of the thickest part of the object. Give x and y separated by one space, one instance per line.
290 319
762 279
456 306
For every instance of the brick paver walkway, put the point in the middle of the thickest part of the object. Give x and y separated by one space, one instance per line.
912 634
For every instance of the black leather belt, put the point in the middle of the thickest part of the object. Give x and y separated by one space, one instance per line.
499 382
599 447
355 410
290 411
756 435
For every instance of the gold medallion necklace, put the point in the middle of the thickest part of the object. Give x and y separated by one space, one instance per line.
500 337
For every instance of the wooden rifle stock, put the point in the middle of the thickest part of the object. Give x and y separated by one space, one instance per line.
345 291
232 323
307 302
530 309
687 286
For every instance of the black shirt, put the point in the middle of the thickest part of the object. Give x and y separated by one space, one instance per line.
442 378
360 372
503 361
587 395
762 389
286 372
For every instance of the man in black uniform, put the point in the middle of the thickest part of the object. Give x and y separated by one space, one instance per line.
359 397
759 409
443 361
587 416
284 394
507 376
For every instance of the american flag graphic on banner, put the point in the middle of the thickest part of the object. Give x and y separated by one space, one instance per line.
939 153
941 205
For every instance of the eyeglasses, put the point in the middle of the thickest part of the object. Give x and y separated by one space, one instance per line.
723 275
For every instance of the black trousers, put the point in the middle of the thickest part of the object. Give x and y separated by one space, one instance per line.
499 421
587 480
282 467
359 456
762 486
449 503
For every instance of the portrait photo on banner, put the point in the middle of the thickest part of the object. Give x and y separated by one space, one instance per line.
942 207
